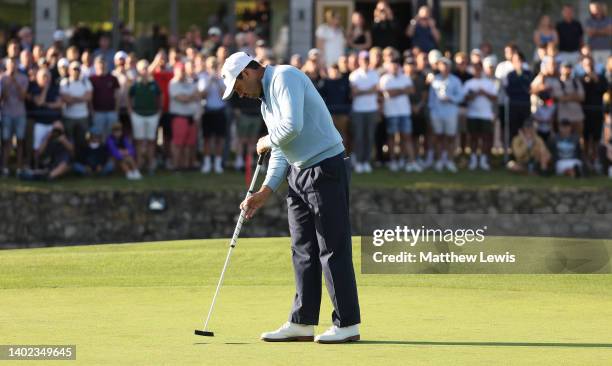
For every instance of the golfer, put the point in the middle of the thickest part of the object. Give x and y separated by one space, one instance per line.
306 149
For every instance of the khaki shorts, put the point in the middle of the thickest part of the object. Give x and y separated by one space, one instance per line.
144 127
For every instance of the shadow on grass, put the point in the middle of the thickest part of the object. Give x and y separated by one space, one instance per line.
473 344
490 344
196 343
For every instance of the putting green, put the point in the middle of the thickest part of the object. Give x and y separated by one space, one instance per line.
138 304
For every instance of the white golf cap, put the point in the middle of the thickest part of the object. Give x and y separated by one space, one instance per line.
120 55
489 61
433 56
75 65
445 60
314 52
214 31
63 62
232 67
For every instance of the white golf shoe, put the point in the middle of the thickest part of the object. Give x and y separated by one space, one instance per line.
439 165
484 163
393 166
339 335
206 165
473 162
218 165
290 332
450 166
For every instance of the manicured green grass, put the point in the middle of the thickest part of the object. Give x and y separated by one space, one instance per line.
381 178
138 304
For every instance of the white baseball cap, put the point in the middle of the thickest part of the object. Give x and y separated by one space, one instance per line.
313 52
489 61
214 31
445 60
232 67
120 55
433 56
63 62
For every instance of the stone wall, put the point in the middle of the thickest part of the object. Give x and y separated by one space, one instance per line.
31 219
505 21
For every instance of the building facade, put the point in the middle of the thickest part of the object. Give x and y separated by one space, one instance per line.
464 24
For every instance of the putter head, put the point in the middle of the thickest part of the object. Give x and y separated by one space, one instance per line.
204 333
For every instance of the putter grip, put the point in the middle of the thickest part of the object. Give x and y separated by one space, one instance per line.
261 158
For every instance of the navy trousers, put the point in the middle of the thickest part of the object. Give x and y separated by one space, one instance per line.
318 205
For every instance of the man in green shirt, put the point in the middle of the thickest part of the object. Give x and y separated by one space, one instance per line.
144 106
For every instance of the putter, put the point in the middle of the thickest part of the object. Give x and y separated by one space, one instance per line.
206 332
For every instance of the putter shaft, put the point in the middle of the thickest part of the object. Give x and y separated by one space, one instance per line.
233 241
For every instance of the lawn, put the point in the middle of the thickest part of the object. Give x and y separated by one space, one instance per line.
138 304
381 178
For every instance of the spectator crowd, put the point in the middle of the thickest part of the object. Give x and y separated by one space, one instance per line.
76 109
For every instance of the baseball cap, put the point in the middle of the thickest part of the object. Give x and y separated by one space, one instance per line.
314 52
445 60
63 62
120 55
75 65
214 31
489 61
433 56
364 54
232 67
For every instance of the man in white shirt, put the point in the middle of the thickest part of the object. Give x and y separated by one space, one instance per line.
184 98
395 87
125 77
445 95
481 94
364 86
214 120
76 93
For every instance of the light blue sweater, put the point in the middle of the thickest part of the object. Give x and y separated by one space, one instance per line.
445 94
300 127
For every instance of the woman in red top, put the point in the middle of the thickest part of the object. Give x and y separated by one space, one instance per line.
162 75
